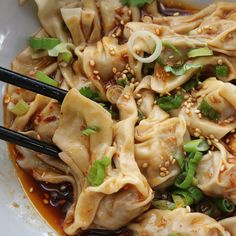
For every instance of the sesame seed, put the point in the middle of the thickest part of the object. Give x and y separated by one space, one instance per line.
197 111
211 136
162 174
199 115
167 163
112 53
222 168
122 22
92 63
186 96
199 30
31 189
232 131
157 31
188 208
196 134
124 76
45 201
113 35
167 172
210 153
98 77
136 84
209 141
198 130
138 95
163 169
145 165
139 101
129 12
216 140
220 62
227 140
125 71
173 161
176 14
96 72
114 70
127 96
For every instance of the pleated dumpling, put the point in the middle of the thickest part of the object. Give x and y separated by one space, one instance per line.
158 138
221 97
229 224
216 174
125 193
178 221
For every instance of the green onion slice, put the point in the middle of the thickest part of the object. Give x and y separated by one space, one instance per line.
96 173
196 145
62 51
191 84
163 204
208 111
196 194
89 93
185 179
171 102
20 109
180 159
91 130
137 3
185 195
200 52
46 79
174 49
178 200
179 71
222 71
43 43
224 205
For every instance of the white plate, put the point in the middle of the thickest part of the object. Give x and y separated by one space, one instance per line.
17 216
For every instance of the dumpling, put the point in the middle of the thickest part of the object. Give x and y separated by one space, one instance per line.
216 174
158 139
220 96
124 184
180 220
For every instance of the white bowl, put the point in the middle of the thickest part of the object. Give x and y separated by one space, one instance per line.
17 216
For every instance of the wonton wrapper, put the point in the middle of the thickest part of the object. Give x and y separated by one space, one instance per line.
124 187
216 174
164 222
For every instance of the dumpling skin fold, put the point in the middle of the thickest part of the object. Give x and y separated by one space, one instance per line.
164 222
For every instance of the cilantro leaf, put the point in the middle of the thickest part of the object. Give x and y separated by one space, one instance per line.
137 3
89 93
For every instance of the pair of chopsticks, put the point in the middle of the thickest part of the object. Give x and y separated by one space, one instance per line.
25 82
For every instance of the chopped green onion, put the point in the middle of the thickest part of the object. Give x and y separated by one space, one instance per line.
178 200
196 194
122 82
137 3
160 61
91 130
200 52
180 159
46 79
171 102
208 111
222 71
191 84
196 145
224 205
129 76
20 109
178 71
96 173
89 93
62 51
185 179
185 195
163 204
65 56
43 43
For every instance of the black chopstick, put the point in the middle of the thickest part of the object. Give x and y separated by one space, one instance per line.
28 142
28 83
